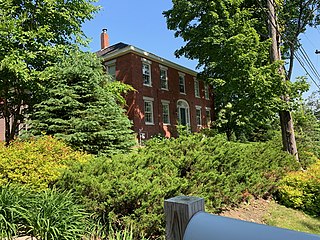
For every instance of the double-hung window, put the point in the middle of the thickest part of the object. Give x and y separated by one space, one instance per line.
164 77
198 116
165 112
208 116
148 111
206 91
111 69
182 83
146 72
196 88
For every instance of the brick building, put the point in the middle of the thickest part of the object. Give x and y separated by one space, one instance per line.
167 93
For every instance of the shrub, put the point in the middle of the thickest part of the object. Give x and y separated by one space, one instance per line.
301 190
12 212
45 215
130 189
36 162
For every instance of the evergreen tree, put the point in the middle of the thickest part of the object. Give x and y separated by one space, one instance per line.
33 34
82 107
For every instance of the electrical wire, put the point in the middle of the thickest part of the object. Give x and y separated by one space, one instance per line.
303 59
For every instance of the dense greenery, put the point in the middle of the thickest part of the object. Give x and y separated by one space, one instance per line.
230 40
81 107
130 189
301 190
33 34
37 163
46 215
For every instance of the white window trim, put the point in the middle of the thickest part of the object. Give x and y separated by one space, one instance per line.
165 69
187 111
198 84
111 62
206 86
184 83
208 109
147 62
199 108
166 102
150 100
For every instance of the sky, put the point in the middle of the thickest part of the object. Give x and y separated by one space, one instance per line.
140 23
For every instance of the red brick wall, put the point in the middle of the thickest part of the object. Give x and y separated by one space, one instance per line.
129 70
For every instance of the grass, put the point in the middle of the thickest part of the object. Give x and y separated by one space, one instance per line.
281 216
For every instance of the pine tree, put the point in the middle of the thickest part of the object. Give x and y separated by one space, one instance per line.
82 108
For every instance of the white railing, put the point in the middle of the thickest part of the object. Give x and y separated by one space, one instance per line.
187 220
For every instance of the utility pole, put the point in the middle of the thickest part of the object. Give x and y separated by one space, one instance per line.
286 121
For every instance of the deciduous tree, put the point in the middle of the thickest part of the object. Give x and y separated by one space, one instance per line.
230 40
33 33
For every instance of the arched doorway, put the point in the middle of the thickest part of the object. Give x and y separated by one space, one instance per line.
183 112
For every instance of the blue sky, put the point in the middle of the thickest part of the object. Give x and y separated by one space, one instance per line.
141 23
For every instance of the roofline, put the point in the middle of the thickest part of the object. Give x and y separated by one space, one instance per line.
142 53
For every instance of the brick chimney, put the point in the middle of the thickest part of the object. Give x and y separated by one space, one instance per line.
104 39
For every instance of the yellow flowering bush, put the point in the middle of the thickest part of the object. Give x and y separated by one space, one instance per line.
301 189
36 162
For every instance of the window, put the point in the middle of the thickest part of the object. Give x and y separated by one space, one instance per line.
164 77
148 110
196 88
146 74
208 117
183 113
111 69
198 115
165 112
182 84
206 91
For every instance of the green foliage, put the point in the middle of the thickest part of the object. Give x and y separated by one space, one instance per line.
130 189
230 41
307 129
33 35
12 212
47 215
81 107
301 190
55 215
36 162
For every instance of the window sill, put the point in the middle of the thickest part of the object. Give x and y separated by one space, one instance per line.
149 124
165 89
147 85
183 93
166 124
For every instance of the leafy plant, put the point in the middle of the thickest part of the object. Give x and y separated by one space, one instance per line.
55 215
13 214
36 162
47 215
301 190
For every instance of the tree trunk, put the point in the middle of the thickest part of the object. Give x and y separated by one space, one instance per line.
286 122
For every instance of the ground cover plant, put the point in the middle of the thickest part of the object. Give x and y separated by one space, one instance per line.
129 190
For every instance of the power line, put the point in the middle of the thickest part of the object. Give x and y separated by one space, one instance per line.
304 58
309 62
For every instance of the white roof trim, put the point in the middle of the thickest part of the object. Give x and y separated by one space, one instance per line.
150 56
